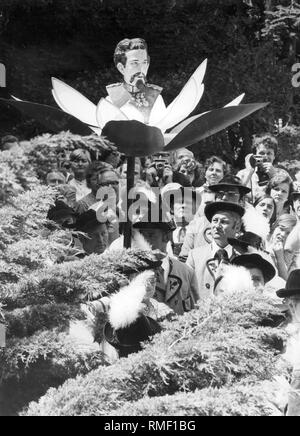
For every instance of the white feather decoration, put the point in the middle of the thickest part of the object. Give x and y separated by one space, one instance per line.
127 304
236 279
139 242
256 223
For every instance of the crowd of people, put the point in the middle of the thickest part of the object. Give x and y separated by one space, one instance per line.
214 231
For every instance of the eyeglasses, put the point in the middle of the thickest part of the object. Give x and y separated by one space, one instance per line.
114 183
222 194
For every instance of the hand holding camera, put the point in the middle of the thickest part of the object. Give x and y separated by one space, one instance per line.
263 168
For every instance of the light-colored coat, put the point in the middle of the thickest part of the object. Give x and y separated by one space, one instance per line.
201 261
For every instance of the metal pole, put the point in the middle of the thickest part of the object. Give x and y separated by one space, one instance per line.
130 185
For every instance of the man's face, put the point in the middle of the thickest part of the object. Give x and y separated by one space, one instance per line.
185 157
109 179
224 225
296 204
137 64
266 153
257 279
97 240
155 237
231 195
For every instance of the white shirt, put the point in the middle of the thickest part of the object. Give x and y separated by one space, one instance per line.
215 248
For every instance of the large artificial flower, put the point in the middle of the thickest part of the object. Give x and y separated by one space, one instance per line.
168 128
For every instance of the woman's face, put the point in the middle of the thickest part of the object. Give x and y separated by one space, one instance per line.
280 193
266 208
281 233
214 173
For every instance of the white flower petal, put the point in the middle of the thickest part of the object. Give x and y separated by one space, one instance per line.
186 101
106 112
158 111
73 102
236 101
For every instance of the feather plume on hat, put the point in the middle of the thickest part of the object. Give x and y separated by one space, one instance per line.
256 223
234 279
127 304
140 242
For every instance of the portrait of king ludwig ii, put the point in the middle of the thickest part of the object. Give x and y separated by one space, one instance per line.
134 96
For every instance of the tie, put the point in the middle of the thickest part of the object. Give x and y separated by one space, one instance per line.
222 256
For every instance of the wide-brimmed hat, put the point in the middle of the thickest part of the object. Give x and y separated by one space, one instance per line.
212 208
292 288
128 340
228 182
163 221
142 262
248 239
258 262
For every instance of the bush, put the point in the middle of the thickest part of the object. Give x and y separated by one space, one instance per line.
29 366
49 152
194 352
236 400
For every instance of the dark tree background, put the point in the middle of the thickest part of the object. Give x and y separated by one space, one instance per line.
251 46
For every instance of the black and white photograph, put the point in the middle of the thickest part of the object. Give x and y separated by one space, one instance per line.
149 210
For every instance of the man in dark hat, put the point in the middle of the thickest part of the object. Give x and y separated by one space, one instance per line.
229 189
225 220
291 295
176 285
261 270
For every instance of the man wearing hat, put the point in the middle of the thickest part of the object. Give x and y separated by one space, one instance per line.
291 295
225 220
176 285
198 233
261 270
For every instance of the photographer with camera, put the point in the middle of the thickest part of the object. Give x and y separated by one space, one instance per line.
160 172
260 165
